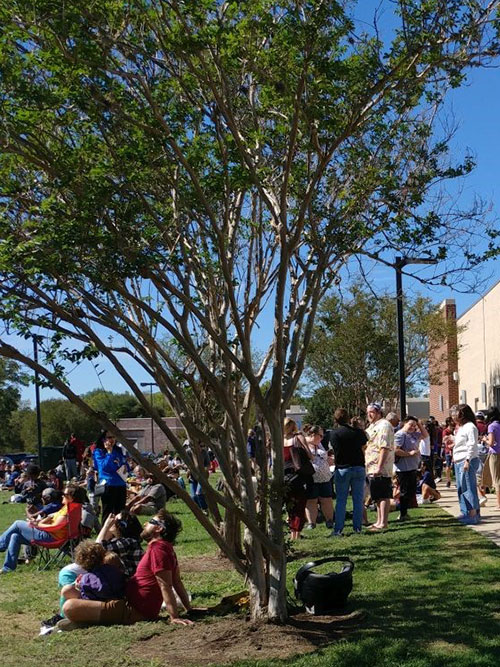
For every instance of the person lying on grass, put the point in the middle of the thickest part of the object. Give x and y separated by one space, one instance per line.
156 580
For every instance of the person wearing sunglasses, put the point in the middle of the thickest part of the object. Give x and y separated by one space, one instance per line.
49 529
156 581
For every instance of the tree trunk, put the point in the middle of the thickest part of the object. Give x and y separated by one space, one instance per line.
256 576
277 608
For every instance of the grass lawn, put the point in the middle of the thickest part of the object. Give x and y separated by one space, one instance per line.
430 589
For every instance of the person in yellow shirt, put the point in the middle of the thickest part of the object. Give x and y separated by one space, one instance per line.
379 460
49 529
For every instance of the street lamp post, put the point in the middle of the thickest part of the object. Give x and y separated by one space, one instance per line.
37 404
399 264
151 385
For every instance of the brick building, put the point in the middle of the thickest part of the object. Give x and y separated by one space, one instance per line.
139 429
472 375
444 362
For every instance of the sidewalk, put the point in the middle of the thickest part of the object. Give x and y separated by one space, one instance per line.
490 516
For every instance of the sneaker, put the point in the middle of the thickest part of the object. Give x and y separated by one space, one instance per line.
448 484
310 526
483 500
403 517
336 535
52 621
46 630
437 480
329 524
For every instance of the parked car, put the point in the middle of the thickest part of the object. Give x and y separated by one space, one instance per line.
19 457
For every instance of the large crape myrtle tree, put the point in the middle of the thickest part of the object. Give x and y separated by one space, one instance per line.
181 182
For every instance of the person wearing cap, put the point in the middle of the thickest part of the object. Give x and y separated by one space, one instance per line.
51 503
379 460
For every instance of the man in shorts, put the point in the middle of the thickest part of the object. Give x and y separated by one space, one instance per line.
379 461
156 580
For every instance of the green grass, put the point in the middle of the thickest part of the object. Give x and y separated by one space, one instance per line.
430 589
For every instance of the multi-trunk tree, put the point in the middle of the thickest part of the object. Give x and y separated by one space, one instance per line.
181 182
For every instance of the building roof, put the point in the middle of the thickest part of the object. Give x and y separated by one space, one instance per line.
478 300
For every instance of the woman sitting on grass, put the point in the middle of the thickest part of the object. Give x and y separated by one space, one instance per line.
427 486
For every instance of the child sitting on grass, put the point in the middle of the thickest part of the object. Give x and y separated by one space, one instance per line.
103 578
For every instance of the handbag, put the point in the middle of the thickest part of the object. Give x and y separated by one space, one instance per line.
99 488
301 461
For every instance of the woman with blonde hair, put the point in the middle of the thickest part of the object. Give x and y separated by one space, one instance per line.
319 488
297 465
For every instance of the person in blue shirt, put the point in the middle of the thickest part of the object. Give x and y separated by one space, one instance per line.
110 461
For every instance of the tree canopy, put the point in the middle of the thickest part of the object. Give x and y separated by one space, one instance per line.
189 171
353 356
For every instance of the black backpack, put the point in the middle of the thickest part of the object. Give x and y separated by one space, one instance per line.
324 593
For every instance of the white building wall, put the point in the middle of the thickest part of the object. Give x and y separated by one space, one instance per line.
479 352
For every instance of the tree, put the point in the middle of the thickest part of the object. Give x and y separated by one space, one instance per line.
179 170
60 418
11 378
115 406
353 356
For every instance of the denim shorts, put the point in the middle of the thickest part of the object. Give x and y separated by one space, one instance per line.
318 490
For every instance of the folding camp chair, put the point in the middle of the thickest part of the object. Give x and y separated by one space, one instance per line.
64 546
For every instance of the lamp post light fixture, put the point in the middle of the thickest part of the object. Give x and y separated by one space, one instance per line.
151 385
399 264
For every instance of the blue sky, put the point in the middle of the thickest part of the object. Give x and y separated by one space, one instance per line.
475 108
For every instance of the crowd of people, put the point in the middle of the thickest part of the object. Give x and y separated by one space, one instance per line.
388 464
385 464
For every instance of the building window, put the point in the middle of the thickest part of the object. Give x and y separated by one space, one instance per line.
496 396
441 402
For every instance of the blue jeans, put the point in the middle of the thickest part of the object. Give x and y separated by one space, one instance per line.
20 532
71 468
197 494
353 478
467 486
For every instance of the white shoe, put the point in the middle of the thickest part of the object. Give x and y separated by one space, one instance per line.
482 501
437 480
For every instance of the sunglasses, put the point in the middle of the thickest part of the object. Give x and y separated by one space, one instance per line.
155 522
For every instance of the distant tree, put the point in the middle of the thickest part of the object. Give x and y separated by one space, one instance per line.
115 406
59 419
353 356
11 379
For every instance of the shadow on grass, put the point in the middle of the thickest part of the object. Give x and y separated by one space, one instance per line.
431 595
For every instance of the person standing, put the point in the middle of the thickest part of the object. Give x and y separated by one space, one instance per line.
108 461
493 442
379 457
348 444
69 457
407 459
295 454
319 487
466 460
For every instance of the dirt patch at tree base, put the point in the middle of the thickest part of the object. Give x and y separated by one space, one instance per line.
224 640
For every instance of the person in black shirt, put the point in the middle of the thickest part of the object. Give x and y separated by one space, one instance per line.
348 444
